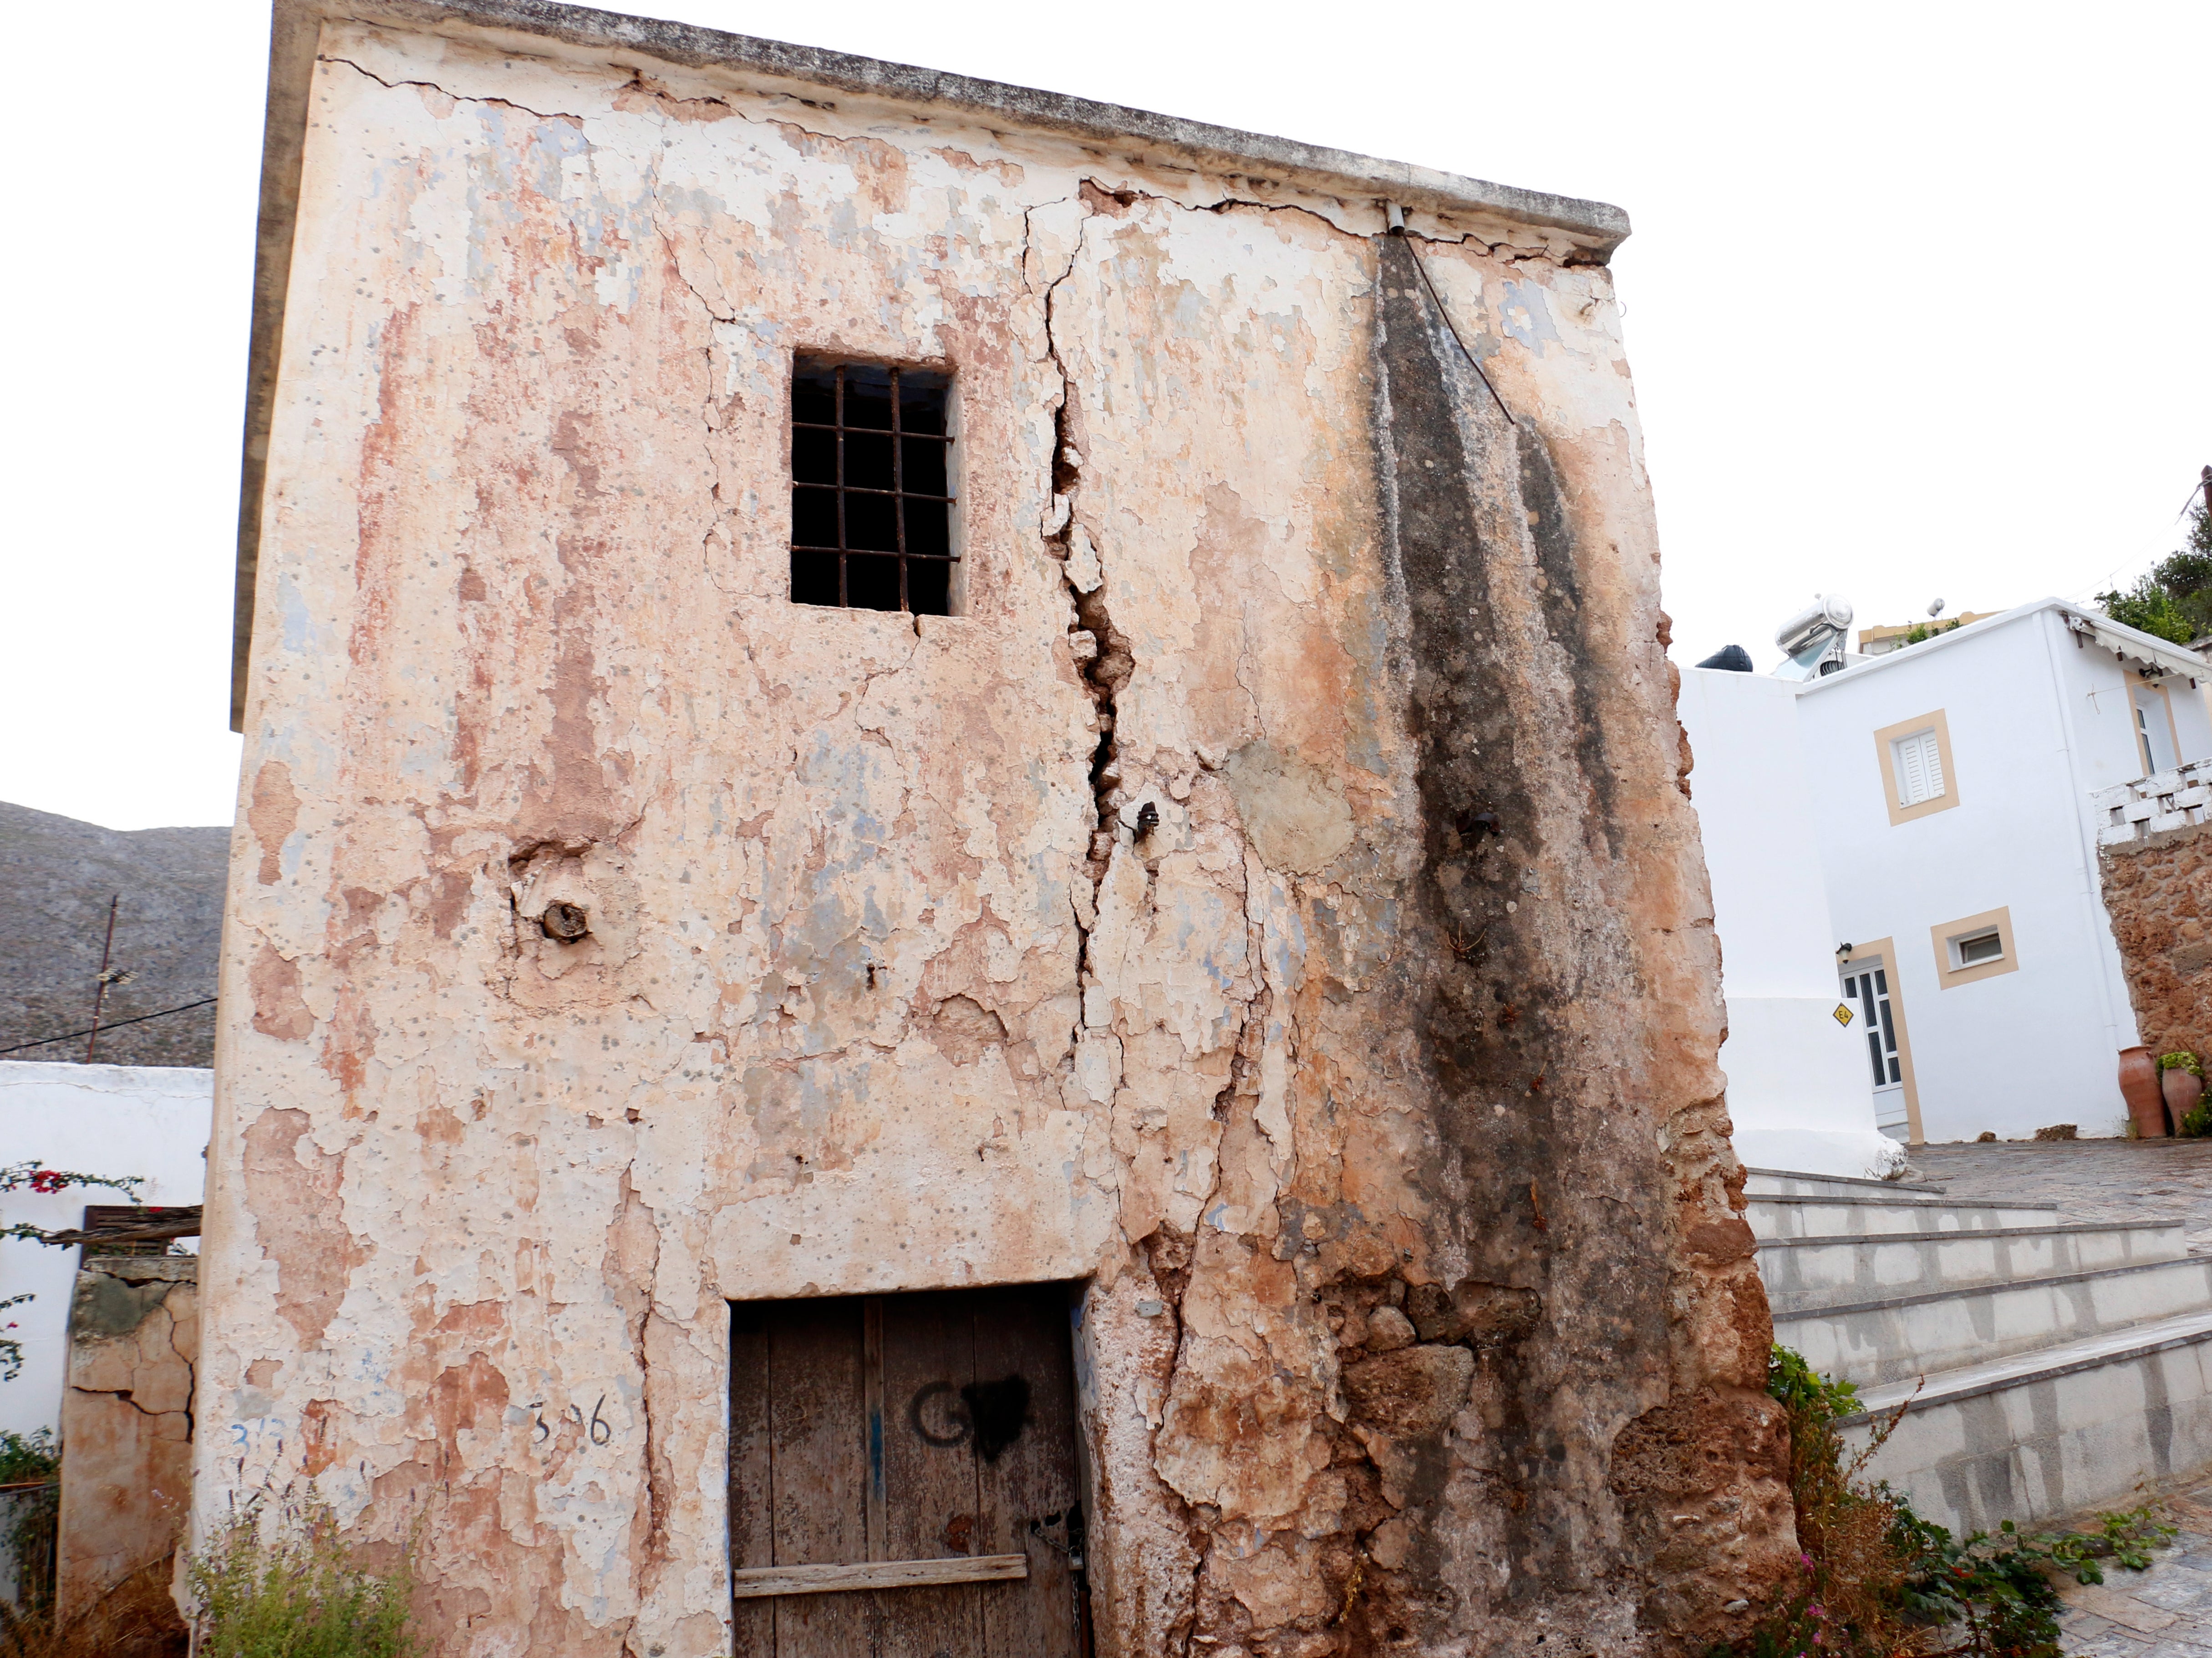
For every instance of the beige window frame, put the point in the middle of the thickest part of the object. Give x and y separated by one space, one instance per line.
1898 812
1946 938
1886 950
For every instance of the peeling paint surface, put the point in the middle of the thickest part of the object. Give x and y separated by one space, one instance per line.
1139 923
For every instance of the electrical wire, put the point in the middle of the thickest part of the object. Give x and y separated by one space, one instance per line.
1437 299
113 1024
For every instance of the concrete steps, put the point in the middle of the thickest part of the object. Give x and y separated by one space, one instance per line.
1827 1217
1904 1336
2075 1425
2043 1366
1805 1273
1782 1183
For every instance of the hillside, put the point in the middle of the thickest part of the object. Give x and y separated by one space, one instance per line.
56 878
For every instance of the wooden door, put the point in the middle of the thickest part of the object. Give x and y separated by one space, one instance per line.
884 1447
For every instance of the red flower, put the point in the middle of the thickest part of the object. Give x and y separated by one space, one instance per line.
48 1179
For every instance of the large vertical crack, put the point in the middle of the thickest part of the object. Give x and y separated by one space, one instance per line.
1102 653
636 1240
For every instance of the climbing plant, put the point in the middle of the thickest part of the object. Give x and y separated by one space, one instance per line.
37 1177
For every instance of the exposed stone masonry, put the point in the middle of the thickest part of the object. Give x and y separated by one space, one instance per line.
2158 891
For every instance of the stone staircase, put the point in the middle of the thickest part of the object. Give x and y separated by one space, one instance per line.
2046 1367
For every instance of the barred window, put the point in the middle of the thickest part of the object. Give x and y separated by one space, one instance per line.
871 498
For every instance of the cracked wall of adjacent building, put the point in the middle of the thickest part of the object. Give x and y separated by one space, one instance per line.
1271 901
126 1423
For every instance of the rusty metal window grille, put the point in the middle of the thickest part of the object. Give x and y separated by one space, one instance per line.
871 497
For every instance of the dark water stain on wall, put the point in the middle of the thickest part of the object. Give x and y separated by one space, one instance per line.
1551 1187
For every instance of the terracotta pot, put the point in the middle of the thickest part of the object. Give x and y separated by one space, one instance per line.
2182 1088
2139 1086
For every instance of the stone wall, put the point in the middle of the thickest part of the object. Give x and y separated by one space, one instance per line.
1273 902
2158 891
126 1422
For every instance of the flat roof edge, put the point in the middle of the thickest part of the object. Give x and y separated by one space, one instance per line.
2163 653
1600 226
1597 227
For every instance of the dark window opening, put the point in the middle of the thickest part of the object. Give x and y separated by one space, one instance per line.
871 501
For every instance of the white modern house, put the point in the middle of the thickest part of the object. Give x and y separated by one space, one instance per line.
1952 784
149 1121
1911 839
1951 789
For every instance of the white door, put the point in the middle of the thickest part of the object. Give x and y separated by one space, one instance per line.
1866 987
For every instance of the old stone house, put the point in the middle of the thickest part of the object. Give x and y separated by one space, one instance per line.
963 904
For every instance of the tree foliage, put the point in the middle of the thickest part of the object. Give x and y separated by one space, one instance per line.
2174 599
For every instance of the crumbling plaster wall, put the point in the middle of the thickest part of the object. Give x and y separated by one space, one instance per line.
126 1423
1419 1315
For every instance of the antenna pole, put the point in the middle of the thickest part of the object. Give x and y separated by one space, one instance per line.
2206 477
92 1042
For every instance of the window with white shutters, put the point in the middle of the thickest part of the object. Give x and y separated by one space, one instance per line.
1918 764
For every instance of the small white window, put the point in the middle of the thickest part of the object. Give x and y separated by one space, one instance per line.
1918 764
1976 948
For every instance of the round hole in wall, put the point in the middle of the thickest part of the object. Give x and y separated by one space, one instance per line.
566 923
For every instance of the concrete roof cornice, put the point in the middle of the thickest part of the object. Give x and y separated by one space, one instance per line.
1594 228
1597 226
2145 647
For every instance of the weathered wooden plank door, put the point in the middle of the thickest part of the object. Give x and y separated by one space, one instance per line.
867 1430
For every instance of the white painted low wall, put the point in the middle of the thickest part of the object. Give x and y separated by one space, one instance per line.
1798 1088
1799 1091
116 1119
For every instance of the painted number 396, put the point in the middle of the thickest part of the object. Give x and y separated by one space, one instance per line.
596 1426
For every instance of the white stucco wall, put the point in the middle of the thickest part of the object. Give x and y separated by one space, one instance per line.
116 1119
1799 1091
2036 724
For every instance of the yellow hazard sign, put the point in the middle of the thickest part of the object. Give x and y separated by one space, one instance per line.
1843 1012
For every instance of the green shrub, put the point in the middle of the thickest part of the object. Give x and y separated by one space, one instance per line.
2183 1061
28 1456
30 1534
1921 632
291 1589
1880 1581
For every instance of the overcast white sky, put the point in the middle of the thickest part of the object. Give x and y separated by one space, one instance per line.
1916 301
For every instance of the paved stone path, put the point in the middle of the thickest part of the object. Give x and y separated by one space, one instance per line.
2163 1612
2090 1180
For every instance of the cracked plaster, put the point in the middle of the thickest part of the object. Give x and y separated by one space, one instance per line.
126 1422
890 982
